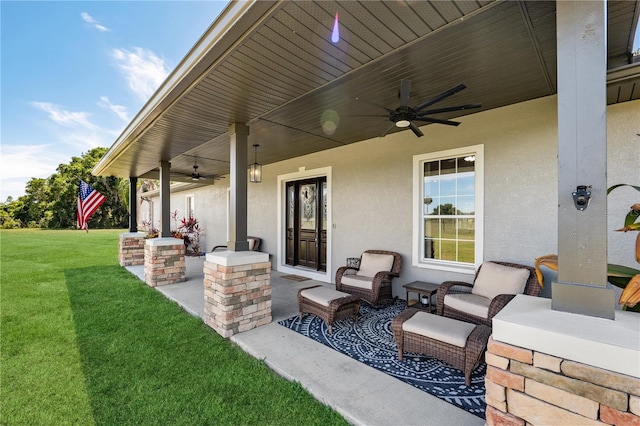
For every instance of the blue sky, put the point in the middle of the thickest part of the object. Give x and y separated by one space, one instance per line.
74 73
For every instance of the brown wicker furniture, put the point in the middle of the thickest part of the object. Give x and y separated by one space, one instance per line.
328 304
457 343
422 289
254 245
465 302
371 280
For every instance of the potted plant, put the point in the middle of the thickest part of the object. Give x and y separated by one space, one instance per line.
150 231
191 231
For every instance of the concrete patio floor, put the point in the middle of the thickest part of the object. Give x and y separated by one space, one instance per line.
361 394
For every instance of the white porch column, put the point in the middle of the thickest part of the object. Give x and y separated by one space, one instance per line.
582 159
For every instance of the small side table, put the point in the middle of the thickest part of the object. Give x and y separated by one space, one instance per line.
422 289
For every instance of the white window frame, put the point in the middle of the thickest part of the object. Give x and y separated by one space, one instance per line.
418 259
189 201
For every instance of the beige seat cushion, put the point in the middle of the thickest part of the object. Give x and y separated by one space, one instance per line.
372 263
322 295
357 281
494 279
468 303
439 328
252 243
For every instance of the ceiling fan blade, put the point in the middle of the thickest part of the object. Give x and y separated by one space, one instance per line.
371 115
416 130
437 121
386 132
456 108
440 97
374 104
405 90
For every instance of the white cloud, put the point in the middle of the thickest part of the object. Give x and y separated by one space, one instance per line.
143 70
89 20
20 163
64 117
119 110
69 134
75 128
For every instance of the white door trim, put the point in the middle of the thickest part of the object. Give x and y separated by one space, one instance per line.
302 173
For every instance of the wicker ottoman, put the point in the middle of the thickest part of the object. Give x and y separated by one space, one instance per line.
458 343
328 304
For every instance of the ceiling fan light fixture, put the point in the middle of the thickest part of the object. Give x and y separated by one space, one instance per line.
195 175
403 123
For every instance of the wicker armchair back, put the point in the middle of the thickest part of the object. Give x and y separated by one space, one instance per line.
532 288
381 285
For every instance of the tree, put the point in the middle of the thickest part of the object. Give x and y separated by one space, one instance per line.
52 202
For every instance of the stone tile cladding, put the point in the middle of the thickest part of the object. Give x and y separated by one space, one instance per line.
164 265
131 250
524 387
237 298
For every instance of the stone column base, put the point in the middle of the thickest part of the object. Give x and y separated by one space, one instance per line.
164 261
131 248
237 291
525 387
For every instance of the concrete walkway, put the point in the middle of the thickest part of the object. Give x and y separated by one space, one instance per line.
361 394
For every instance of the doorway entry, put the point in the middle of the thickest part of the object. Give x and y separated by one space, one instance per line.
306 223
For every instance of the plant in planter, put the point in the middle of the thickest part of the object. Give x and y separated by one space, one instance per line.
621 276
191 231
150 231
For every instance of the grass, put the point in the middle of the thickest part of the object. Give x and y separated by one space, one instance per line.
85 342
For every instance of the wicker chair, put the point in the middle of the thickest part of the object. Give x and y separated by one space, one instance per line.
452 295
369 282
254 245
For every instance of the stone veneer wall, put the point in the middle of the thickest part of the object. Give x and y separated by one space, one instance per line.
164 261
525 387
131 249
237 298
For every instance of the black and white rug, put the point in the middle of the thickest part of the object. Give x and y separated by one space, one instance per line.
371 342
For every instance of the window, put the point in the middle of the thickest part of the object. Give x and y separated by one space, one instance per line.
448 208
190 207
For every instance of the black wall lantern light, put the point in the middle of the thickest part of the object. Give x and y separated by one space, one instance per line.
255 170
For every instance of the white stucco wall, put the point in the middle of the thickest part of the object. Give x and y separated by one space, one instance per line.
372 188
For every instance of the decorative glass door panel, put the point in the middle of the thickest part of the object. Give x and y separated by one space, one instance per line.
306 223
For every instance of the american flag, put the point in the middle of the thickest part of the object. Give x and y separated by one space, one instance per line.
88 202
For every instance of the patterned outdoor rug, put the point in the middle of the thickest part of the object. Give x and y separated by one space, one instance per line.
371 342
297 278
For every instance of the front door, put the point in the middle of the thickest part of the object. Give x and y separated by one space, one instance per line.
307 223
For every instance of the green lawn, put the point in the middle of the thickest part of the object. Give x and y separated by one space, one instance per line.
85 342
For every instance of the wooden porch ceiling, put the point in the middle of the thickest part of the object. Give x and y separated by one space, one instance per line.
272 66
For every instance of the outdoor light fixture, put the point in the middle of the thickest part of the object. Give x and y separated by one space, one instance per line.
581 197
403 123
255 170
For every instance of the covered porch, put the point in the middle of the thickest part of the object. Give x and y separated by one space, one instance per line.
361 394
545 136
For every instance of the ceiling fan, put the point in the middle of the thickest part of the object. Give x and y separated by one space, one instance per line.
406 116
194 176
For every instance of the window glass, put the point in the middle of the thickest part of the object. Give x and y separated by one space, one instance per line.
190 207
449 209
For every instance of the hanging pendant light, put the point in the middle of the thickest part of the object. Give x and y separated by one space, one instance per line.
255 170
